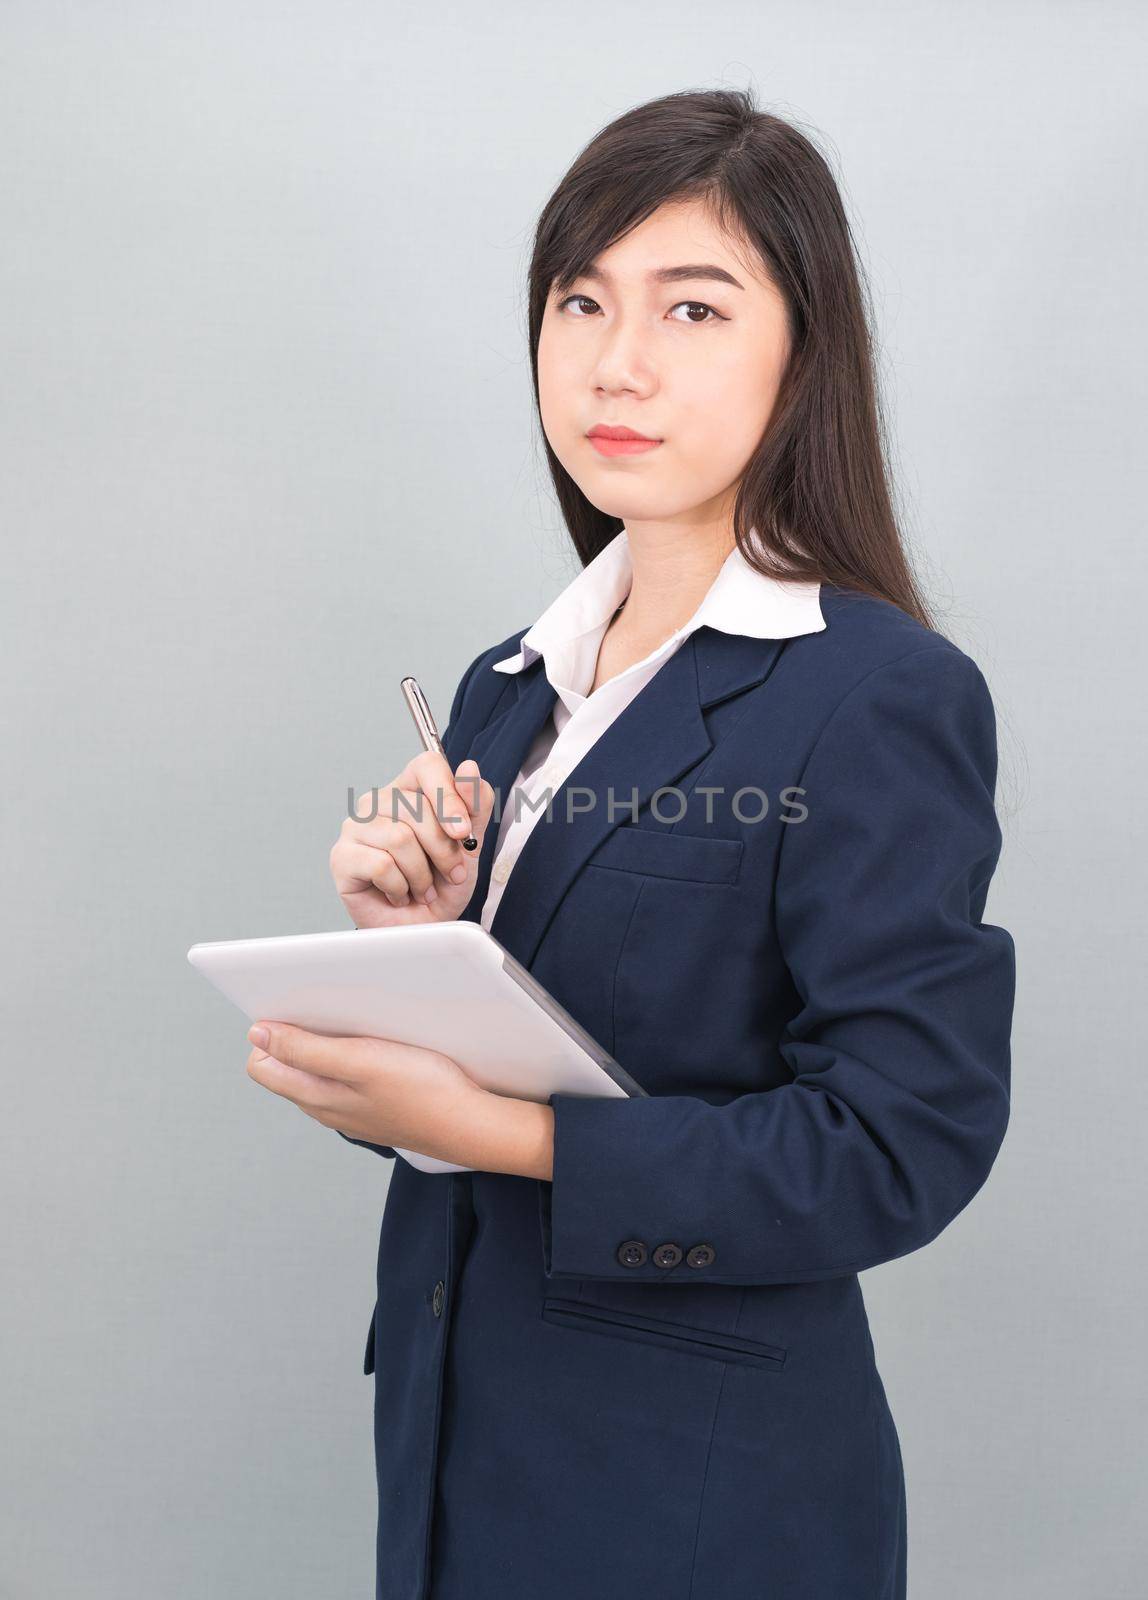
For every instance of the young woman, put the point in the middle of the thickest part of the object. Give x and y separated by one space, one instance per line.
628 1352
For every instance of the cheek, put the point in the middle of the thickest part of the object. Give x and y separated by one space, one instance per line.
558 401
718 434
557 374
725 407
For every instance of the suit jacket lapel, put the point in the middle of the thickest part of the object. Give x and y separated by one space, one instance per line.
655 740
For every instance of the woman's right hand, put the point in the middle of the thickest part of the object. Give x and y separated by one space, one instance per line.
383 869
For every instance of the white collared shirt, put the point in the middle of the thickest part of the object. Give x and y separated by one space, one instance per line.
567 635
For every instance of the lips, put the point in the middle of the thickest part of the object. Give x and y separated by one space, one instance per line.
609 440
604 430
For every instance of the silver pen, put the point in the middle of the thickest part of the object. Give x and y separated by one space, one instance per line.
420 710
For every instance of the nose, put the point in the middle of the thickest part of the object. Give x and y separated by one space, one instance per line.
621 364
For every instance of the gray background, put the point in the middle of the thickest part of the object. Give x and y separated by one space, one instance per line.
268 446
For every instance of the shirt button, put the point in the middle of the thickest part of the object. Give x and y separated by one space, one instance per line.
700 1255
501 872
632 1252
667 1255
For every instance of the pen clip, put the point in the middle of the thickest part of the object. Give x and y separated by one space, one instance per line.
420 710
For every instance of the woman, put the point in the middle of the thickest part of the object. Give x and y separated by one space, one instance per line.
628 1352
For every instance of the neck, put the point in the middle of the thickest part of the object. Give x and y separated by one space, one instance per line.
673 567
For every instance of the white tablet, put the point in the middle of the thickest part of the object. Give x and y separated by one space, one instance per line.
447 986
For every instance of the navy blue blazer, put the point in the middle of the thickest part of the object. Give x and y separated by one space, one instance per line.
654 1374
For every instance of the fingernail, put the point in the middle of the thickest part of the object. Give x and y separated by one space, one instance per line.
431 894
259 1036
457 874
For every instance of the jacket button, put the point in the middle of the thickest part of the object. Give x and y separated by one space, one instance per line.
667 1255
700 1255
632 1252
438 1297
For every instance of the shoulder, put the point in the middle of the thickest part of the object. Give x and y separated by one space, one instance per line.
870 647
863 632
876 689
879 687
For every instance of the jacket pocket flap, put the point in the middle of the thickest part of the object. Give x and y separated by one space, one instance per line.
670 855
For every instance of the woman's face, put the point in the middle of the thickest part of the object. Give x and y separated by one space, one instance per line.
693 360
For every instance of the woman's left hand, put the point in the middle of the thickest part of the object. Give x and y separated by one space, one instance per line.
379 1090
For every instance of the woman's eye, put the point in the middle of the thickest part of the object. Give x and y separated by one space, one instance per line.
698 305
693 305
570 298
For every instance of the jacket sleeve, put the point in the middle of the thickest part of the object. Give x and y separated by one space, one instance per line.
900 1048
456 707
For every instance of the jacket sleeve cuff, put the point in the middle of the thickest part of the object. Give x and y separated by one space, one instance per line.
614 1208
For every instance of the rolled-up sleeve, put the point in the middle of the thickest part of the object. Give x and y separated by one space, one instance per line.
900 1047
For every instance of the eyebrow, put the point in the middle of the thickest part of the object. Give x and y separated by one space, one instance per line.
673 274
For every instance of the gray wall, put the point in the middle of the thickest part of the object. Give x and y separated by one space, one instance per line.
268 446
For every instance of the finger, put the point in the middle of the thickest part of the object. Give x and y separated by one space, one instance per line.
292 1083
479 795
451 860
412 833
319 1098
433 775
357 865
418 846
316 1053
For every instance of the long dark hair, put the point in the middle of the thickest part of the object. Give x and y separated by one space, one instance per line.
814 501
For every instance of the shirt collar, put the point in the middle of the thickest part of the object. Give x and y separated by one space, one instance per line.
740 600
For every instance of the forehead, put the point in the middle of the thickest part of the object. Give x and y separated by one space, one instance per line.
677 233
